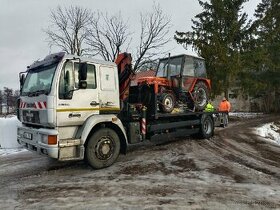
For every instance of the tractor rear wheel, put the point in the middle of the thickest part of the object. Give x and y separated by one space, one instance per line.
200 96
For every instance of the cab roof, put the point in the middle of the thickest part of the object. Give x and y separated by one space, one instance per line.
57 57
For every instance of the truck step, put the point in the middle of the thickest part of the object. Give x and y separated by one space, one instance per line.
69 142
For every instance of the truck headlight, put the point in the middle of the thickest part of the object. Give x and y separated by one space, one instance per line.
45 139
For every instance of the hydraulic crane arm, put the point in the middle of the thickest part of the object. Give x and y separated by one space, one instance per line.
125 72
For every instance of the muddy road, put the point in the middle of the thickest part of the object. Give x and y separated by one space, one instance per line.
233 170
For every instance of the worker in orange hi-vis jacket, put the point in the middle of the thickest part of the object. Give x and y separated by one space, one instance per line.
225 107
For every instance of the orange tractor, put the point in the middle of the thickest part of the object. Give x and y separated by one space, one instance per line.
179 81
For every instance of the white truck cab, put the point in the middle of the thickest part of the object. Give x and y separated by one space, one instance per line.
64 98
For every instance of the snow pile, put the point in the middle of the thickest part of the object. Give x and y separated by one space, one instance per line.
8 132
270 131
246 115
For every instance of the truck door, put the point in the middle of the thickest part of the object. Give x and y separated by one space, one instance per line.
75 104
109 94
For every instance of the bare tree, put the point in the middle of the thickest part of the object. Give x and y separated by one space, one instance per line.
108 36
155 27
1 101
8 96
69 29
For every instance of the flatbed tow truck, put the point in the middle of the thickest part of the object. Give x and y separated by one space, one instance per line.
77 108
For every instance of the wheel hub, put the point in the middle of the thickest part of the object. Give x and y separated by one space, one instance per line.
168 102
104 148
201 96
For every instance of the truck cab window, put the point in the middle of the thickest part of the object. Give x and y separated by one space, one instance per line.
91 76
66 82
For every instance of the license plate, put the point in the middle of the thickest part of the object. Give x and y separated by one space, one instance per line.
27 135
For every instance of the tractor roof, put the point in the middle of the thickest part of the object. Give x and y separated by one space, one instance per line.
182 55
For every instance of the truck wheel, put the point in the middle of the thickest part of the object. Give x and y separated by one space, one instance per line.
207 127
167 103
103 148
200 95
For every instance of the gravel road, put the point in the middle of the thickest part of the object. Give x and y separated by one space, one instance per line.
233 170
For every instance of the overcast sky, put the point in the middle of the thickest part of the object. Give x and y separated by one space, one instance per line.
23 41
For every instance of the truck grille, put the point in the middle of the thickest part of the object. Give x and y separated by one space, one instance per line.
30 116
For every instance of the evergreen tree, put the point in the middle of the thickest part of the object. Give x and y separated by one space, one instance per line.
261 77
218 35
268 32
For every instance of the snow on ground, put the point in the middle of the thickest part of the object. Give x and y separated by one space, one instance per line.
270 132
4 152
8 133
245 115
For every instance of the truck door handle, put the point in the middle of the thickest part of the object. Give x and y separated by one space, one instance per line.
94 103
109 103
74 115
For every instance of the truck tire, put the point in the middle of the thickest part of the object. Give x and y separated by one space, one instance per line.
103 148
200 95
167 103
206 127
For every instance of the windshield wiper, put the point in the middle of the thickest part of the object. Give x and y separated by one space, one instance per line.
37 93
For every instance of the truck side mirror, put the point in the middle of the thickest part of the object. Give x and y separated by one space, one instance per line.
21 79
17 106
83 75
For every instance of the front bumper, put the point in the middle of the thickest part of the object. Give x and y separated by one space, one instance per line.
33 140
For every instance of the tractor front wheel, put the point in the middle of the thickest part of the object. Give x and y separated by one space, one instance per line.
167 103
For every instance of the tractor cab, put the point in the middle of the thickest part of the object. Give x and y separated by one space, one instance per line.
181 70
180 80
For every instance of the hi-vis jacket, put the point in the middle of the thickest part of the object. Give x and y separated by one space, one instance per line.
224 106
209 108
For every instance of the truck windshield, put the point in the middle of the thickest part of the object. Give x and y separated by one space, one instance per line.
39 80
